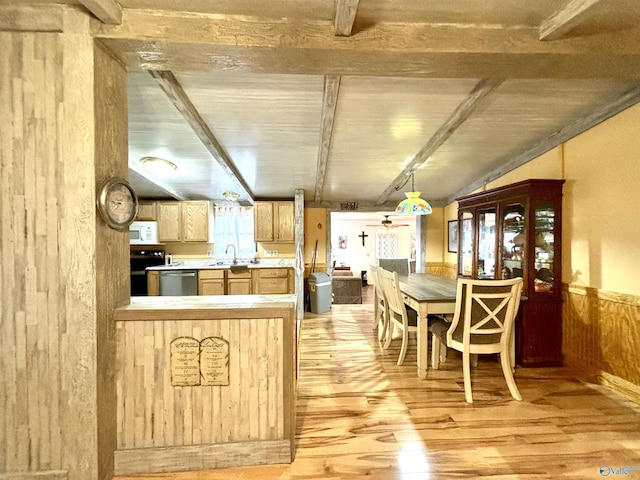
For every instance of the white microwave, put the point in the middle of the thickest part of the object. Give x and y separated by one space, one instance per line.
143 233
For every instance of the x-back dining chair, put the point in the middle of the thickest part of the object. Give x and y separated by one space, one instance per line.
380 309
400 317
482 324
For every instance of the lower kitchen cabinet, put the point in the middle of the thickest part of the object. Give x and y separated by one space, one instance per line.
239 283
153 283
273 281
211 282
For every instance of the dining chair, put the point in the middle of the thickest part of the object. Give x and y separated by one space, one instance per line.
380 309
400 265
401 317
482 323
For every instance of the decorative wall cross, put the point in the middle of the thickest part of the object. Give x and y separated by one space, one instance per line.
363 236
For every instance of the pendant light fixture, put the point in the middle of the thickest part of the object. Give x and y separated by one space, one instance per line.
413 204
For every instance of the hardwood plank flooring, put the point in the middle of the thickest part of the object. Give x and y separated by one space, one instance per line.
361 416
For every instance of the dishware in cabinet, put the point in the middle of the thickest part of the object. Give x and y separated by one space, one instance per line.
515 231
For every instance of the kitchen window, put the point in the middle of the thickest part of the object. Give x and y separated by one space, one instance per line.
233 225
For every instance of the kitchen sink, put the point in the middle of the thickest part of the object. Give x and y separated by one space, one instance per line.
239 268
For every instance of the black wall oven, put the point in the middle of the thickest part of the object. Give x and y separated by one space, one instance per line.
141 258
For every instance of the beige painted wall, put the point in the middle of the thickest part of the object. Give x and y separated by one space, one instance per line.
602 202
315 228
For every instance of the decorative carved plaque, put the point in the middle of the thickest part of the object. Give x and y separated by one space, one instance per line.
185 362
214 361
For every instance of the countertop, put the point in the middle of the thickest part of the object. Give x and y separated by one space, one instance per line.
202 306
217 265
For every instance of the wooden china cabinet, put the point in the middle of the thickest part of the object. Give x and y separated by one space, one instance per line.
516 230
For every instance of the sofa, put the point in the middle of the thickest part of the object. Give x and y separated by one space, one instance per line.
345 287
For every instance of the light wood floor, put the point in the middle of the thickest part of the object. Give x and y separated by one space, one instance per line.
362 417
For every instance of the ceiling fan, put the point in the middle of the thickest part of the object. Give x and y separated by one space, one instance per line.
386 223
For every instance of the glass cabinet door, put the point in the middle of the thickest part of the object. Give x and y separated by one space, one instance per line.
544 247
513 242
465 263
487 244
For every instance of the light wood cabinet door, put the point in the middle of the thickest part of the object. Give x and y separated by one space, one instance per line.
274 222
169 221
146 211
238 286
239 283
272 281
285 230
263 221
211 282
195 221
153 283
183 221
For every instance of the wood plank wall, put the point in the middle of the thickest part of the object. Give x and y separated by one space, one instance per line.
601 337
112 247
50 323
250 419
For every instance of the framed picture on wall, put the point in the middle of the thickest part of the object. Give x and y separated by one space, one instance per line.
453 235
342 241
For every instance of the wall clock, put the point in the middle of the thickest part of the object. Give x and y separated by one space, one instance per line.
117 203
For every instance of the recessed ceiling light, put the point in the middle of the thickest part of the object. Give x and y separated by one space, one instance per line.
158 166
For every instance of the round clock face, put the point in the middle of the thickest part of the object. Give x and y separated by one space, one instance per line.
117 203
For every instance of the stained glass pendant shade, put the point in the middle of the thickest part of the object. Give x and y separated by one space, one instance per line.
413 204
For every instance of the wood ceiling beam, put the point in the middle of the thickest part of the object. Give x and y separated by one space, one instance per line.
107 11
45 18
329 102
179 98
448 128
158 183
153 41
566 18
335 206
344 17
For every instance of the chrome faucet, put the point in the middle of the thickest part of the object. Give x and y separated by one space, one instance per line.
235 259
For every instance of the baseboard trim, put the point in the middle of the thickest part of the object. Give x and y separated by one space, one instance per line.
202 457
48 475
620 386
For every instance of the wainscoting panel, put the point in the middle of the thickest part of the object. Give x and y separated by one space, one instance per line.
601 336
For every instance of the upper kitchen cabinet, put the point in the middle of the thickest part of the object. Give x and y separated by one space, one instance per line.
515 231
274 222
146 211
183 221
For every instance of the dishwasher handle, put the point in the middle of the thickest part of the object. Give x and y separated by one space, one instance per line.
179 274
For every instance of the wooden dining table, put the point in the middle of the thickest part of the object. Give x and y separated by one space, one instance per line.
427 294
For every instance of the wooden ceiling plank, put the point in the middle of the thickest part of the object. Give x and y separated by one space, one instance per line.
107 11
462 112
630 98
329 102
345 16
178 96
566 18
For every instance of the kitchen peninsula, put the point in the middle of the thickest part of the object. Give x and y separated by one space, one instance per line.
205 382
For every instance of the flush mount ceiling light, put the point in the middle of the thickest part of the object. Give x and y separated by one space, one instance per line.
413 204
158 166
231 197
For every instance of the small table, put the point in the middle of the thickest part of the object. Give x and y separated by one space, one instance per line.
427 294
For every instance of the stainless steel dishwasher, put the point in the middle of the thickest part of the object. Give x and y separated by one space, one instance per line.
178 282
